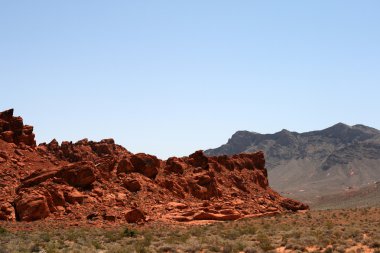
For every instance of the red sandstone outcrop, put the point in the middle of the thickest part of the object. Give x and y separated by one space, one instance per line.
102 181
13 130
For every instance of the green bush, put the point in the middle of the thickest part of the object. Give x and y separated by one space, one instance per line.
129 232
3 230
264 242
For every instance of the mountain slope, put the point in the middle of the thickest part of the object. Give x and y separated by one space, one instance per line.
313 164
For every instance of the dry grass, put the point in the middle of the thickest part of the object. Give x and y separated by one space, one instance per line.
351 230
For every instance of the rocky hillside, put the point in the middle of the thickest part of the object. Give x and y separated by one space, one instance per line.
104 182
312 164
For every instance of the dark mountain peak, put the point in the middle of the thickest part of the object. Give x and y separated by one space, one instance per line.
238 142
242 133
338 127
318 162
283 137
287 144
285 132
348 133
241 138
336 130
366 129
341 124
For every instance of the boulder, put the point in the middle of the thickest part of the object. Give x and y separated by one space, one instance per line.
74 196
174 165
7 212
204 178
38 177
7 136
28 130
134 216
4 154
109 216
293 205
102 149
17 124
198 159
53 145
132 185
31 206
124 166
57 195
27 139
79 174
146 164
176 205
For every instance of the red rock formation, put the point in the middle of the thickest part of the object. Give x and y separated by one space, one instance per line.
31 205
80 174
12 129
134 216
103 182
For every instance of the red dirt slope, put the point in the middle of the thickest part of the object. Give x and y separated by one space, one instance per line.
102 181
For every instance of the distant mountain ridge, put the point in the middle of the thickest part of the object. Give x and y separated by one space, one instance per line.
313 163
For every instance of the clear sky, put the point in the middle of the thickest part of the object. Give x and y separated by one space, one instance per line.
172 77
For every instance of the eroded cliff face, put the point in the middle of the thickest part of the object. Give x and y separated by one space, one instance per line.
102 181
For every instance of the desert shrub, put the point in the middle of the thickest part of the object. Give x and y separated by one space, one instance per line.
129 232
74 234
192 248
227 248
231 234
140 248
266 225
35 248
264 242
212 248
177 237
329 225
97 244
45 237
113 236
3 231
142 245
248 230
295 234
239 246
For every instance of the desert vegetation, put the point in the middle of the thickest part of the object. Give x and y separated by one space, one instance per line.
340 230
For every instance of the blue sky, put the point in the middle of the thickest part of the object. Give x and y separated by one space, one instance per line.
172 77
